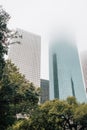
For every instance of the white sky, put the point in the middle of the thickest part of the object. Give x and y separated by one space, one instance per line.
42 16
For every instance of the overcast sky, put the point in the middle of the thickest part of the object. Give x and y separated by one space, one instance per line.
43 16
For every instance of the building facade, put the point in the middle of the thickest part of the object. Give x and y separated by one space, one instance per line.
65 75
27 55
44 90
83 57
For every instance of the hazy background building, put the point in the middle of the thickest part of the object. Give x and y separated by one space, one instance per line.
83 57
27 56
65 75
44 90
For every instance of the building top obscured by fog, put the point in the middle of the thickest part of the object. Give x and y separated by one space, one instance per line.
65 75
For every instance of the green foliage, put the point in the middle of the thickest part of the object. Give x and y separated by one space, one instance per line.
72 101
18 125
81 116
5 37
4 17
17 95
56 115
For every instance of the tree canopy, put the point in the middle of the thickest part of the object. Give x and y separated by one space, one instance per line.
56 115
17 95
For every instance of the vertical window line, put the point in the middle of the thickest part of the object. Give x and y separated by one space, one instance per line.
72 85
55 76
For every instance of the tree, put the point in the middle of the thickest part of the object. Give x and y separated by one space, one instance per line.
80 117
48 116
56 115
4 17
17 95
6 36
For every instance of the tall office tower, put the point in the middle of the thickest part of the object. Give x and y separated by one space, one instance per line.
65 71
27 55
83 58
44 90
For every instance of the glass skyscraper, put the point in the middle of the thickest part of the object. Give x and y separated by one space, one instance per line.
64 71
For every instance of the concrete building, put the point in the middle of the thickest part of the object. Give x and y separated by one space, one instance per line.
83 57
44 90
27 56
65 74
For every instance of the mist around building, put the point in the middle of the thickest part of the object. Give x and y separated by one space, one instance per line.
66 73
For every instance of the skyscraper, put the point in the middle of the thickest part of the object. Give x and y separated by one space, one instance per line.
83 58
44 90
27 55
65 71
